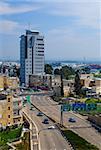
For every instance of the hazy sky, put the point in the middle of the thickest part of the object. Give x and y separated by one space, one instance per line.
71 27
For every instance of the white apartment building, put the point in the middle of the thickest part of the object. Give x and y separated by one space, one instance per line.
31 55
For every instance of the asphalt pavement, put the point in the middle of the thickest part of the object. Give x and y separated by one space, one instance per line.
82 127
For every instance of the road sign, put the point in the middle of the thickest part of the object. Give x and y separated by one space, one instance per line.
79 107
28 98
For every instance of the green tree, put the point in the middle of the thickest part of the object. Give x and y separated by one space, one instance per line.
77 84
57 71
86 70
67 71
48 69
62 91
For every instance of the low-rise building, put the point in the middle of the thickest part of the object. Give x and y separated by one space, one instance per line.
68 87
86 79
39 80
56 80
98 85
89 81
8 82
12 82
56 85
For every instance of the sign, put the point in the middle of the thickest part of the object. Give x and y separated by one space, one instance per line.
28 98
79 107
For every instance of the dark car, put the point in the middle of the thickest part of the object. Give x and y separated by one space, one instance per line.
72 120
45 121
40 114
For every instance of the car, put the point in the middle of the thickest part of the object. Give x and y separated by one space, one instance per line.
45 121
51 127
40 114
72 120
25 129
30 108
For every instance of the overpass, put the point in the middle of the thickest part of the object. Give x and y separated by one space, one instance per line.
46 138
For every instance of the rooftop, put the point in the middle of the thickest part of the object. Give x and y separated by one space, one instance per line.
32 32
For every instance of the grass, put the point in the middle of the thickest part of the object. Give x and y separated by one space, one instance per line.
6 136
97 75
4 147
93 112
93 100
78 142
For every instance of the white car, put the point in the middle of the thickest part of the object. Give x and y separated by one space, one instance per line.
51 127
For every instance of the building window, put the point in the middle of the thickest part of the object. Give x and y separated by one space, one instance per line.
40 44
8 108
8 116
40 39
8 99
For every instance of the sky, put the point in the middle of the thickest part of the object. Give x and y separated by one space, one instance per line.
72 28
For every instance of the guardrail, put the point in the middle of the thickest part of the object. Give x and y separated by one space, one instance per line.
47 93
31 121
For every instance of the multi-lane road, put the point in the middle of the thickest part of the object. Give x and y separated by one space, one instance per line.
48 139
82 127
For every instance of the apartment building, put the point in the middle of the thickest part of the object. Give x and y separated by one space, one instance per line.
6 110
17 106
10 110
31 55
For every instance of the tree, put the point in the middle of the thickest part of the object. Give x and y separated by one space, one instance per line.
48 69
57 71
67 71
62 91
77 84
86 70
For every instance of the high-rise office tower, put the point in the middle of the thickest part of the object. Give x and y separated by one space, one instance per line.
31 55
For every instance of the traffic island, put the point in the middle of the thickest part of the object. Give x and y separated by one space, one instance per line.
25 142
77 142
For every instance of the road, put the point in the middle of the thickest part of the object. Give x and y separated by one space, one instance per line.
49 139
82 127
